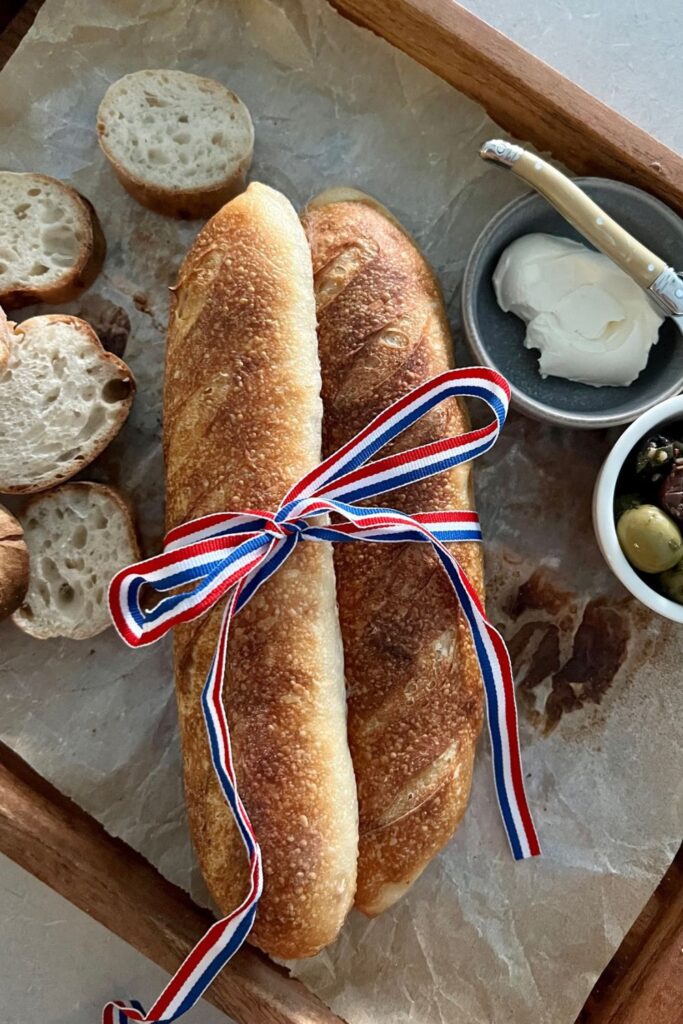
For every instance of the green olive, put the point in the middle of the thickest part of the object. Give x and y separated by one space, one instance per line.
672 582
650 540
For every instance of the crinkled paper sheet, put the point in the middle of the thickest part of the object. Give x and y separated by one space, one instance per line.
478 938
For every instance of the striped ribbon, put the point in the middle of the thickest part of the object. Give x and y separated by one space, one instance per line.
236 552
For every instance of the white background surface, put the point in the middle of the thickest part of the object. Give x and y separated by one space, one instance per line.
58 965
626 52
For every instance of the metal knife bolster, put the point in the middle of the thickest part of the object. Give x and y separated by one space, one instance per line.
667 292
501 152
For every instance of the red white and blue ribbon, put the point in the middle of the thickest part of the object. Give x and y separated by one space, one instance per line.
234 553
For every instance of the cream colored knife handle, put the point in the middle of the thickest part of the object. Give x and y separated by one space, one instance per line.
575 206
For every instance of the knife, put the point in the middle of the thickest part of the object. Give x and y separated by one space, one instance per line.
651 272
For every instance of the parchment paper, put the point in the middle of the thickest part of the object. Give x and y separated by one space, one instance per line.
479 938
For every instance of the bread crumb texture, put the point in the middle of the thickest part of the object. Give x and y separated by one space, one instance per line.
175 130
44 228
78 537
62 399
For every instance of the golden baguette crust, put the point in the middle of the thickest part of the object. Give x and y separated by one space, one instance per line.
415 697
242 423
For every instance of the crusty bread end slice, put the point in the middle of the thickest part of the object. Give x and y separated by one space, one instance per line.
78 537
180 144
13 563
51 242
62 400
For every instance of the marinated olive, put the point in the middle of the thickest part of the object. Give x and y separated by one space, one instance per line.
671 491
650 540
655 457
672 582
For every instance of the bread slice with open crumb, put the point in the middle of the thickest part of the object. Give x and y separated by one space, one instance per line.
51 242
78 537
62 400
180 144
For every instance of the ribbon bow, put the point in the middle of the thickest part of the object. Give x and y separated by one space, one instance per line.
234 553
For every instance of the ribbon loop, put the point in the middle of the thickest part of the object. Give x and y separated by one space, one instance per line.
235 553
350 460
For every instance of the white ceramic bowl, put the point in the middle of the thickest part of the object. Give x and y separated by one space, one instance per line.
603 507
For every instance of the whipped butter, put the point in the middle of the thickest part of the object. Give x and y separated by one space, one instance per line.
589 320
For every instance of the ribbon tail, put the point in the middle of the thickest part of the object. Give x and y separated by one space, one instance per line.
118 1013
501 708
226 936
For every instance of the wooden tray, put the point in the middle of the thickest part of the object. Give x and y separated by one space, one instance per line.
63 846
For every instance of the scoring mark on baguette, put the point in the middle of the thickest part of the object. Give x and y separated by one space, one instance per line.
420 788
338 273
188 301
386 354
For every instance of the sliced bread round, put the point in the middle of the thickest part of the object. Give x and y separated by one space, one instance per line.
78 537
51 242
180 144
62 400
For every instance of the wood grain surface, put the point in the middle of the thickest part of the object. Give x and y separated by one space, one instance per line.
643 983
522 94
16 19
48 835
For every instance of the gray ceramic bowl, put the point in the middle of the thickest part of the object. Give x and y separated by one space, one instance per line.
497 338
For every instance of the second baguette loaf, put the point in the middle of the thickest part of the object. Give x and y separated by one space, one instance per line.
242 423
415 698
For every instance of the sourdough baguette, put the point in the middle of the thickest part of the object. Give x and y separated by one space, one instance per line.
415 698
242 423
